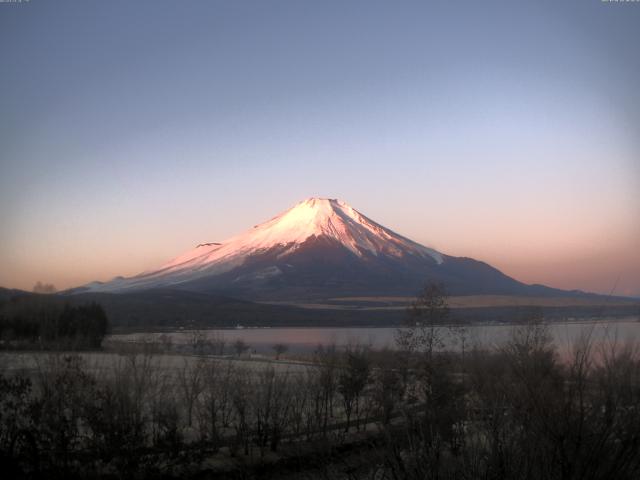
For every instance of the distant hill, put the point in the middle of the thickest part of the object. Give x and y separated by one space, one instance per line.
8 293
170 309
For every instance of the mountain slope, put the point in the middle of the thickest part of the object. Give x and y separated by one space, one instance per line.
317 249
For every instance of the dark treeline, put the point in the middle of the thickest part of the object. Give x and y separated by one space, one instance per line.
167 308
45 321
519 411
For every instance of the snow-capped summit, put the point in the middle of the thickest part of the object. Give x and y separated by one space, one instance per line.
320 246
314 217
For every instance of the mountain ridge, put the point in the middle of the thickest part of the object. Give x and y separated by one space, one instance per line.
320 248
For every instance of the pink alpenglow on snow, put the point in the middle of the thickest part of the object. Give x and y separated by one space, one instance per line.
314 217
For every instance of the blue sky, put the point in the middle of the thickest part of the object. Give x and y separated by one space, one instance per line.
503 130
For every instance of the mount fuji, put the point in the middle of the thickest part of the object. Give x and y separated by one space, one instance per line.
319 248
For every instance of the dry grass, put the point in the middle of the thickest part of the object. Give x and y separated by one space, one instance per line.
471 301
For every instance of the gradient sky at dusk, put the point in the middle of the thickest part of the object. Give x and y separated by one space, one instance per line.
506 131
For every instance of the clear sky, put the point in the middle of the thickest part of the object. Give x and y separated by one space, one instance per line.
508 131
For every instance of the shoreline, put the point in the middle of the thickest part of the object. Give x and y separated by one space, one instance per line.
581 321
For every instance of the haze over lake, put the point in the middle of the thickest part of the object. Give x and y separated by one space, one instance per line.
307 339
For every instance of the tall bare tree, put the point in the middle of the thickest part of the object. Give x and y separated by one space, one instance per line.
426 315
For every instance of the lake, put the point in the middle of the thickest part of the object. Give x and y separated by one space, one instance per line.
306 339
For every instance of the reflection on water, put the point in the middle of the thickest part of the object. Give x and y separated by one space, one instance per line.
306 339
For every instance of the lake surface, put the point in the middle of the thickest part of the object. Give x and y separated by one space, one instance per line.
307 339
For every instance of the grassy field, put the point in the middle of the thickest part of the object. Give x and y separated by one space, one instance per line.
170 364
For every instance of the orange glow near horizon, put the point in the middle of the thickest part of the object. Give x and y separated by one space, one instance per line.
577 258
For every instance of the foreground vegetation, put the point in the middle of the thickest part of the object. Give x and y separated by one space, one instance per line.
521 410
517 411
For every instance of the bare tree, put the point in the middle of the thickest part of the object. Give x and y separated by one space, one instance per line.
300 401
190 382
460 334
166 342
199 342
271 404
218 343
280 349
426 314
215 408
327 380
164 417
240 399
240 347
314 410
63 386
352 380
389 387
211 402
